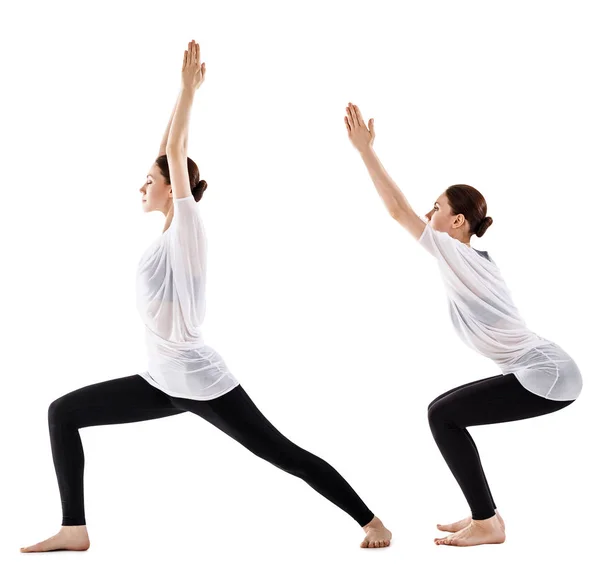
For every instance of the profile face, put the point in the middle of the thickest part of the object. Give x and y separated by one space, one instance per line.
441 217
438 215
155 190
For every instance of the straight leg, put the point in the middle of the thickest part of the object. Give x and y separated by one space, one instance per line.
236 415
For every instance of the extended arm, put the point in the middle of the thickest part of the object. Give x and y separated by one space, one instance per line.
192 77
163 143
180 122
362 138
392 196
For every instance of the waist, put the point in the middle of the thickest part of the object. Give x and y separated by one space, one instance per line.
543 353
158 341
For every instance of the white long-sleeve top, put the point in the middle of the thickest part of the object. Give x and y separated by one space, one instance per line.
486 319
170 290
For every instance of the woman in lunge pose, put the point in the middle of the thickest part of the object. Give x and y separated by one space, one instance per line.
538 377
183 373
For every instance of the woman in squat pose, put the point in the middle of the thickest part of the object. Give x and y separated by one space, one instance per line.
183 373
538 377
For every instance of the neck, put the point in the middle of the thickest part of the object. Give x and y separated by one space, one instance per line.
169 218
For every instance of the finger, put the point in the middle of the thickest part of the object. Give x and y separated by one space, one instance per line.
347 124
198 44
350 117
353 115
359 118
185 59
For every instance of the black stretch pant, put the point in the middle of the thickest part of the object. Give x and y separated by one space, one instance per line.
498 399
131 399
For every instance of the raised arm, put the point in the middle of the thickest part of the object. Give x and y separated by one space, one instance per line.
163 144
362 138
192 76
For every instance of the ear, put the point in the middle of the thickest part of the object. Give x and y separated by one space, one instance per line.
459 220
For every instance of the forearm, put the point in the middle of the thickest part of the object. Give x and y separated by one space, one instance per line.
165 139
392 196
181 120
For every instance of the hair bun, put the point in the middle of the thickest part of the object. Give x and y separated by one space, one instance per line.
199 189
484 225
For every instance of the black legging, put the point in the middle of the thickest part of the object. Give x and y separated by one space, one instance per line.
498 399
132 398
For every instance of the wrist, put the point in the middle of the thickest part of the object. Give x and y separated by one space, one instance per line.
366 151
187 89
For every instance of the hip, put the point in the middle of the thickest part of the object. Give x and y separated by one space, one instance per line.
547 370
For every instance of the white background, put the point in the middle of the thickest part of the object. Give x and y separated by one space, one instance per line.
326 310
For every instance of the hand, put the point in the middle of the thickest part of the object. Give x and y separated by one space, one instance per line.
192 71
361 137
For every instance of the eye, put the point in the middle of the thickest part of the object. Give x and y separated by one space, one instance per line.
148 182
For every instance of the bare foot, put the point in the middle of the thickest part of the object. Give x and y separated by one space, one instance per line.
72 538
489 531
459 525
377 534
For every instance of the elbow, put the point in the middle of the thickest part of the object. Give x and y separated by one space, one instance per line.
397 214
175 150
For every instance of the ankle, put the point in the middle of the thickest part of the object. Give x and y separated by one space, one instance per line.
375 522
489 522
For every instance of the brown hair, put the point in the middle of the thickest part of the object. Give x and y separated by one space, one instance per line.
197 186
469 202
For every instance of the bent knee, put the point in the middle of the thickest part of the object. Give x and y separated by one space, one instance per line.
58 411
438 417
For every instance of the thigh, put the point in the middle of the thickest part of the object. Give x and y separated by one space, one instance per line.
120 400
435 400
498 399
235 414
